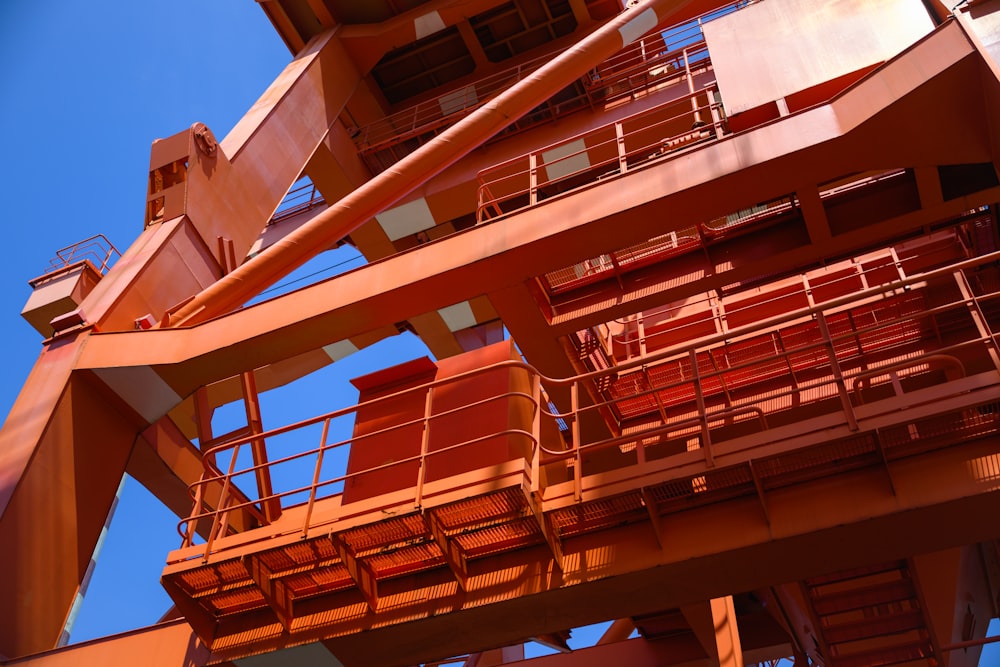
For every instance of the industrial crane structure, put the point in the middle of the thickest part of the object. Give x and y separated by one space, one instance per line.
709 290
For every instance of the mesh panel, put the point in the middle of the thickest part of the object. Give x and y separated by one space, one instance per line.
385 533
218 575
598 514
236 601
817 461
299 554
713 486
524 532
941 430
504 505
319 580
408 559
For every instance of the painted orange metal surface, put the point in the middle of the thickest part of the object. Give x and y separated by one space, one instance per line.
381 192
609 496
755 416
215 196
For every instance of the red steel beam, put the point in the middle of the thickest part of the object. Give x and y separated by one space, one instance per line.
342 218
623 571
564 230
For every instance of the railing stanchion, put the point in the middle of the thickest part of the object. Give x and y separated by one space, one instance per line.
221 505
574 392
699 394
838 375
316 474
532 179
192 524
690 82
536 433
714 107
620 142
425 441
978 317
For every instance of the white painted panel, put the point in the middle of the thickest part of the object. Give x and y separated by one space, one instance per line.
457 100
428 24
458 316
638 27
984 21
772 49
340 349
568 165
141 388
407 219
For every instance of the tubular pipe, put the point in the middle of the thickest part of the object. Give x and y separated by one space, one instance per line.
248 280
618 631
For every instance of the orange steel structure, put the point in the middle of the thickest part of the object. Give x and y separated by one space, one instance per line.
747 256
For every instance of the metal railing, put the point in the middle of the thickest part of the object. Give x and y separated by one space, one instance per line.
300 198
97 250
825 374
692 238
433 114
608 151
654 329
646 63
837 370
326 485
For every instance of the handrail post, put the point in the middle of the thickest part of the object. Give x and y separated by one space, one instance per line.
195 511
640 330
706 436
479 203
536 433
316 474
532 179
620 141
838 375
691 90
714 108
220 507
425 440
978 317
574 393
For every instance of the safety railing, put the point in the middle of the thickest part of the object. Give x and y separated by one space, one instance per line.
693 396
432 114
655 329
649 62
97 250
695 237
301 198
608 151
618 263
833 363
225 470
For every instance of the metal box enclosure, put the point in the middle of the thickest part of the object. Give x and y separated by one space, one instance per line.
57 293
476 421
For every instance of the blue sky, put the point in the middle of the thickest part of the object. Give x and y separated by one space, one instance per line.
86 88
